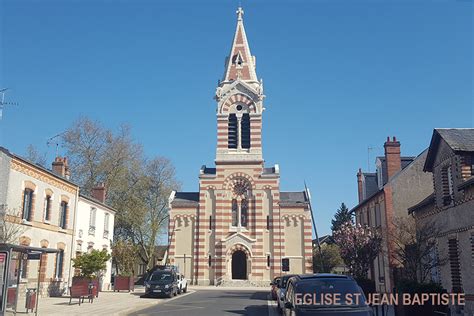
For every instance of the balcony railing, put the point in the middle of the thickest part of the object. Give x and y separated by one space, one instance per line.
92 230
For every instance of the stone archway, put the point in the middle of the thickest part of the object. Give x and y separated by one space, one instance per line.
239 265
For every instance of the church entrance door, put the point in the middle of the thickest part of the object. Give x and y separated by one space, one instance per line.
239 265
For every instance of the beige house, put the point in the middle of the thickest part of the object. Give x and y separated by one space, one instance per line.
39 205
239 225
450 163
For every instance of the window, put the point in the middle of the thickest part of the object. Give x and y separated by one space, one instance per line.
235 212
472 164
268 261
245 130
59 264
92 216
209 261
24 266
47 208
232 131
455 265
377 215
285 264
447 185
27 204
210 222
106 225
243 212
268 222
63 215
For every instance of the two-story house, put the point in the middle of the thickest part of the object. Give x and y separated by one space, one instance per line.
450 162
95 228
385 195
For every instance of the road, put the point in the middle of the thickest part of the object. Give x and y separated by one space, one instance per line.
214 303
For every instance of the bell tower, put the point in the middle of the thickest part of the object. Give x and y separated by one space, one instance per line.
239 97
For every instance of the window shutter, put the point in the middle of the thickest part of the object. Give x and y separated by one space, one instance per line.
245 130
232 131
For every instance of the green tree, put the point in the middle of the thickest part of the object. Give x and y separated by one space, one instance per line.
330 258
124 256
91 264
342 216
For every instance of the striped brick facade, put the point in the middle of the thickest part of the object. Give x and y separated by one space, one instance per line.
203 235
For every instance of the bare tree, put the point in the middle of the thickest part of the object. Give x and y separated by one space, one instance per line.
415 248
34 155
10 229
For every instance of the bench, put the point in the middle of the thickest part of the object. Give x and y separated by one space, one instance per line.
81 291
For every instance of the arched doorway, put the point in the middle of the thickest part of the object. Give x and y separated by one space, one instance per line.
239 265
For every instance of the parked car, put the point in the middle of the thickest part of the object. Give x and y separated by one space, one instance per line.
274 286
163 282
182 284
281 290
338 288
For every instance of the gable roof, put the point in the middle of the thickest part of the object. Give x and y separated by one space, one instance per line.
185 199
458 139
293 199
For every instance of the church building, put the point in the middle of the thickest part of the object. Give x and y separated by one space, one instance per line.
239 226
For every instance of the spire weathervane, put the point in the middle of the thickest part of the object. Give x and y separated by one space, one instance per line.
240 14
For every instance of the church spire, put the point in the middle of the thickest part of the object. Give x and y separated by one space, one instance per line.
240 64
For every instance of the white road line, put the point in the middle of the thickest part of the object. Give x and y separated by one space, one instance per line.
272 309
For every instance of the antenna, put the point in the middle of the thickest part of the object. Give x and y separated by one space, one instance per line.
369 149
3 103
306 190
54 140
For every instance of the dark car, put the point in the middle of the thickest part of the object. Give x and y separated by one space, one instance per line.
274 289
162 283
281 290
324 295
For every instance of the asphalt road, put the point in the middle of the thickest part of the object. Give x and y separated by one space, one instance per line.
213 303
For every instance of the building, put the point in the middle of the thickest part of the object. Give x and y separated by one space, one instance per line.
159 258
39 205
95 229
239 226
397 184
450 165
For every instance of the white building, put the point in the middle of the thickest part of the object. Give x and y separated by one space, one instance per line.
41 204
95 228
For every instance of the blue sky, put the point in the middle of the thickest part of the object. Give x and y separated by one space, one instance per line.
340 76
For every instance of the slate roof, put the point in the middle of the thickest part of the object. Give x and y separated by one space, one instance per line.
459 139
207 170
160 252
293 198
268 170
186 199
371 185
426 201
405 161
326 239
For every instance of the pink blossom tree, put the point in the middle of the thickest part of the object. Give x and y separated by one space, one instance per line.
359 246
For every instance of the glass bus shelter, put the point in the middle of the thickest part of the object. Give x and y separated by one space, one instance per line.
18 295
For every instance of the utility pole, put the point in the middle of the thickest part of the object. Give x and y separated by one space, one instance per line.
314 226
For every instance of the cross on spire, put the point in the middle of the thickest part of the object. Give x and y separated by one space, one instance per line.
240 14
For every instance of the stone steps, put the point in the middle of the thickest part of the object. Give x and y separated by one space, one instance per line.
244 283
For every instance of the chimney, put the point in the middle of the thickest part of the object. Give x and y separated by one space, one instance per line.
360 185
61 167
98 193
392 157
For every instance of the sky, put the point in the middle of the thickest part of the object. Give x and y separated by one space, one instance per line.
340 76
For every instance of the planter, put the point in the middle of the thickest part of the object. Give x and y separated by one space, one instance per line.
123 283
85 282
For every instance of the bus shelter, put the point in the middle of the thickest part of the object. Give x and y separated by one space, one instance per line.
16 294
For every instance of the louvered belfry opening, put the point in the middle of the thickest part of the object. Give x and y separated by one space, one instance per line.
245 132
232 132
455 265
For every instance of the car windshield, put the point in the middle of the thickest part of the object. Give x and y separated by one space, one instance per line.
329 292
161 277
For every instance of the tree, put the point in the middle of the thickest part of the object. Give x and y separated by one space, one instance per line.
359 246
415 248
92 264
123 254
342 216
10 229
33 155
330 258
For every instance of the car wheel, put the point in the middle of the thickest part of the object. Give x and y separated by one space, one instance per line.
185 289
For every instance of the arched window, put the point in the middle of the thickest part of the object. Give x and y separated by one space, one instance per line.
235 211
27 204
245 131
233 131
243 212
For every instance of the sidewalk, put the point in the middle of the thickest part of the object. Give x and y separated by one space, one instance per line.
108 303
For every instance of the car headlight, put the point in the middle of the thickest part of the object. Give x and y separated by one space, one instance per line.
167 286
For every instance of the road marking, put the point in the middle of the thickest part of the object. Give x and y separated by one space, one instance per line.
272 310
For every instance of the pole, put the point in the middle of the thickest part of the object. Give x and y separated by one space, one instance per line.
38 284
314 226
185 265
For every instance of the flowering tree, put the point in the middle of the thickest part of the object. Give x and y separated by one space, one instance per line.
359 246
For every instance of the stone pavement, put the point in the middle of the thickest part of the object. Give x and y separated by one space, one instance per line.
108 303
